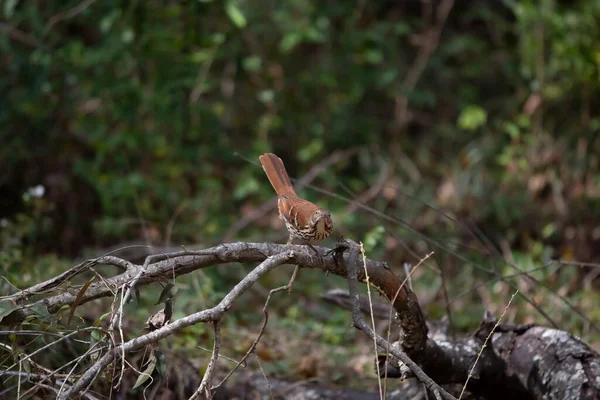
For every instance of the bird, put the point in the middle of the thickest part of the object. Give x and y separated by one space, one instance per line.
304 220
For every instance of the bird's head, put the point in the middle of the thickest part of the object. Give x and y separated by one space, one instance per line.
322 219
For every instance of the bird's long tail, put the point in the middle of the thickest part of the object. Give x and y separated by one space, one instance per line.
277 174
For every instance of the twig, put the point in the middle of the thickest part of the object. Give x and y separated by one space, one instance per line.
37 380
171 224
359 322
76 362
287 287
460 257
55 372
70 273
207 378
27 357
364 263
373 191
430 43
211 314
171 265
119 314
408 272
20 36
262 371
485 344
78 9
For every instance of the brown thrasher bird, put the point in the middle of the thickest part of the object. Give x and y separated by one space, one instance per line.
304 220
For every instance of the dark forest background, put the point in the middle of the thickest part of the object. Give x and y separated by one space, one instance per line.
469 128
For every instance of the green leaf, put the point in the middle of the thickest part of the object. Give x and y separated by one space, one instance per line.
41 311
63 309
252 63
128 35
96 336
202 56
472 118
289 41
373 238
147 372
167 293
373 56
548 230
266 96
217 38
310 150
9 8
402 29
102 317
235 14
245 187
136 295
512 130
6 307
161 364
387 77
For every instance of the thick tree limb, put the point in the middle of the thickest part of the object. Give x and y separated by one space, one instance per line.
169 265
409 343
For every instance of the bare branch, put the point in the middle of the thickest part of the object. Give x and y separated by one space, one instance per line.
211 314
503 366
170 265
69 274
70 13
287 287
64 337
207 378
360 323
38 380
430 42
20 36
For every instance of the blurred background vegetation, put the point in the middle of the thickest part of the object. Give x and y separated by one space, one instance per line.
469 128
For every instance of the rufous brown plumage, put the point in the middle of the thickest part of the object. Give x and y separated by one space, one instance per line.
304 220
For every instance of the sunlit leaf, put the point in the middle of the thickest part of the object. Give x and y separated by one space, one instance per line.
235 14
289 41
373 238
147 372
102 317
472 118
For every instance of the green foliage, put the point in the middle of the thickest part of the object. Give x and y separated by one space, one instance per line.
149 105
373 238
143 122
471 118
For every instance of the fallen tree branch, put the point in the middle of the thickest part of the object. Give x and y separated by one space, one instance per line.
359 322
525 362
69 274
170 265
211 314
